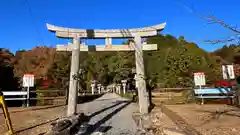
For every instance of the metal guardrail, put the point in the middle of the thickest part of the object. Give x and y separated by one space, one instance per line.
167 89
24 94
15 93
176 89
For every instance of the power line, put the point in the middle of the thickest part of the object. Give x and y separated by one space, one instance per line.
32 21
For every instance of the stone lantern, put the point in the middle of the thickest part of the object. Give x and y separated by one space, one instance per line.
124 84
99 88
93 86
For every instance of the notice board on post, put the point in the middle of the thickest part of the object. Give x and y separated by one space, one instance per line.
199 79
228 72
28 80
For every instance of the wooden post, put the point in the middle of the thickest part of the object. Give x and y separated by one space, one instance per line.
66 95
140 76
28 96
72 99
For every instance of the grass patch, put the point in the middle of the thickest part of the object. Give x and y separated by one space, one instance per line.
40 102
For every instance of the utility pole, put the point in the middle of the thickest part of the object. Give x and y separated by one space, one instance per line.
73 92
140 76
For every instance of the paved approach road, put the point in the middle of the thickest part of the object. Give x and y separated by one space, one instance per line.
110 115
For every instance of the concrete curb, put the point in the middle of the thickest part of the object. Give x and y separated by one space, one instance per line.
68 125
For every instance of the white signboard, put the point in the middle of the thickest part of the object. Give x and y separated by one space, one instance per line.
28 80
199 79
228 69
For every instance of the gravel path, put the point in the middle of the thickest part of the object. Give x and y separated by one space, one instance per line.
111 115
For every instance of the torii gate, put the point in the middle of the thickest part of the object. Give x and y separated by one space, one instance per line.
137 46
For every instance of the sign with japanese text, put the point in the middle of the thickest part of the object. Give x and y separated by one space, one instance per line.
199 79
28 80
228 70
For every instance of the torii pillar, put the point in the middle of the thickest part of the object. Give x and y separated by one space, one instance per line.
73 87
136 46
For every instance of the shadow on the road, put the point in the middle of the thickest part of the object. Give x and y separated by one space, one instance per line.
109 107
91 129
106 99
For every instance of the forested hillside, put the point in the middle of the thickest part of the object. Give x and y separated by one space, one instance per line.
172 65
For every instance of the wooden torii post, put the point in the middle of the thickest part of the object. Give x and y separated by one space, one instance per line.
137 46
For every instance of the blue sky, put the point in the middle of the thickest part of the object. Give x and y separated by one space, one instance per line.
22 29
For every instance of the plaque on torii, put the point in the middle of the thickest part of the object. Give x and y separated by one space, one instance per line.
109 34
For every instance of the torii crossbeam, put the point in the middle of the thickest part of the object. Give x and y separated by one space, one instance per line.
84 48
62 32
108 34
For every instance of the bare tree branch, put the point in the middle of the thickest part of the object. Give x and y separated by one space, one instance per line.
213 20
219 41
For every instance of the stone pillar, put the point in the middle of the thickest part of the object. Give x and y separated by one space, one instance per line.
124 84
99 88
140 76
93 86
114 88
119 88
73 93
102 88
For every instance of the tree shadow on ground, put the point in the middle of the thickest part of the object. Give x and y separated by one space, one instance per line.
106 99
34 126
97 126
104 109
